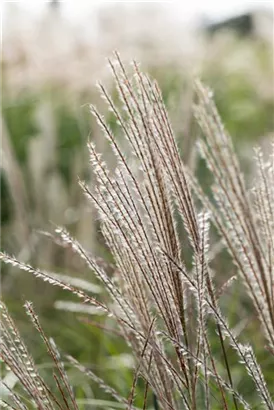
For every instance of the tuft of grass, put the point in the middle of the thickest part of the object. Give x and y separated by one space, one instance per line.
167 310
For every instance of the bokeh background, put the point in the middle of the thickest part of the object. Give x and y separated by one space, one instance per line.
53 53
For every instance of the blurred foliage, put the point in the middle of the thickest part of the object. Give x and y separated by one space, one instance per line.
69 141
6 206
49 149
19 121
243 96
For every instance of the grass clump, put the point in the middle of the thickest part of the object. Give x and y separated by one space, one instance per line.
168 310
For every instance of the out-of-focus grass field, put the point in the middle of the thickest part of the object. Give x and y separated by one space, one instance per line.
49 71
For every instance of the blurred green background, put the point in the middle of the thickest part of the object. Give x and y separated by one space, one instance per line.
49 71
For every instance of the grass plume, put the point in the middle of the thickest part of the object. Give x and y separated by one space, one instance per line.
165 308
